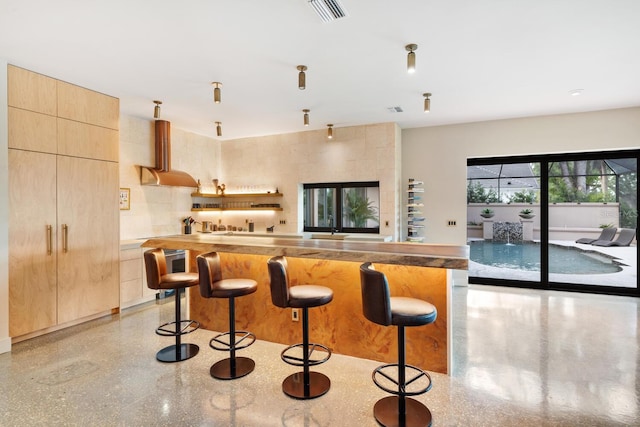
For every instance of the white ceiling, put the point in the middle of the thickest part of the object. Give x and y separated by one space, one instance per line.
481 59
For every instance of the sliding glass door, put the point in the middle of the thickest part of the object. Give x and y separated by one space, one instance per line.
592 222
503 231
554 222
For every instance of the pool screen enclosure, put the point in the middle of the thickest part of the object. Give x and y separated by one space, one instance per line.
548 202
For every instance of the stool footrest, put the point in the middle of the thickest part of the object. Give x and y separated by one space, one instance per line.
178 329
401 389
217 343
299 361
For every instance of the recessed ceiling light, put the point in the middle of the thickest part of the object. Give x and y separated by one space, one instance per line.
576 92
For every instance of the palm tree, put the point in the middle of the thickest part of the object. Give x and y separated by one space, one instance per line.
359 209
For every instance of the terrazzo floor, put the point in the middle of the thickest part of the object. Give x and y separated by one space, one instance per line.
522 357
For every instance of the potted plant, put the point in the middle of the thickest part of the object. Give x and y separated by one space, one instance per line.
526 214
486 213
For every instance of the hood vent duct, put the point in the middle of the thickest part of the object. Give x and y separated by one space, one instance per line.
162 173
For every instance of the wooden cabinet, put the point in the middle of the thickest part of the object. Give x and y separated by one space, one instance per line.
88 264
32 131
33 242
133 282
236 202
85 140
31 91
64 217
87 106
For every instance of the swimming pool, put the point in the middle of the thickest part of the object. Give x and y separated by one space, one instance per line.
526 256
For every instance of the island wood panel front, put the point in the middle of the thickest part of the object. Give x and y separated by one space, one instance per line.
340 325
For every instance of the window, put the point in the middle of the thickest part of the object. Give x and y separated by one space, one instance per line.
533 221
347 207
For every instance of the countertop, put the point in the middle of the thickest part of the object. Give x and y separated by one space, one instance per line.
131 243
415 254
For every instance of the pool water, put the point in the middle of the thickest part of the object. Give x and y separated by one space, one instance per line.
526 256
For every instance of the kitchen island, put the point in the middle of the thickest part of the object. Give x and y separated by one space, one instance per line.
417 270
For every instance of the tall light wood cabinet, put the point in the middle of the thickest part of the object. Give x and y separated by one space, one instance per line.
33 242
88 265
63 178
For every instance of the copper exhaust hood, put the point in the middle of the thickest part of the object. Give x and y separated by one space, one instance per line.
162 174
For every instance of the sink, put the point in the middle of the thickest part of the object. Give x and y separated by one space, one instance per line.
328 236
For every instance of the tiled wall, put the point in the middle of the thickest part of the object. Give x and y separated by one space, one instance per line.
359 153
157 211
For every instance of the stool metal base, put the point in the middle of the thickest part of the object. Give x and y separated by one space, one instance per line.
294 386
170 355
222 369
416 414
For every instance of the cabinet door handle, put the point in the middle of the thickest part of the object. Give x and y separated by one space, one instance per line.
65 238
49 236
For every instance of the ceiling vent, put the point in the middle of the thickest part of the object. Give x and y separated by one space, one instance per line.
328 10
396 109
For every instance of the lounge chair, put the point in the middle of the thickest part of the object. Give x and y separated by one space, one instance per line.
624 238
607 235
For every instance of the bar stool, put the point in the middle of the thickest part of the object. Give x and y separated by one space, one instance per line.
379 307
305 384
157 278
212 285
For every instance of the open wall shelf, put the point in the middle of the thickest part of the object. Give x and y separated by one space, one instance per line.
415 222
239 202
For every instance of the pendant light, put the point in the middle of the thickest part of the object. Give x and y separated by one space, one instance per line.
156 109
306 117
302 77
329 131
411 57
217 96
427 102
219 128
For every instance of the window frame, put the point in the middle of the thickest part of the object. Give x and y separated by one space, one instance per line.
338 187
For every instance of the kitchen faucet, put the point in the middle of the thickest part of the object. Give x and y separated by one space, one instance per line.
331 225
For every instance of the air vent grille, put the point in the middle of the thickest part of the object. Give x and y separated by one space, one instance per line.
396 109
328 10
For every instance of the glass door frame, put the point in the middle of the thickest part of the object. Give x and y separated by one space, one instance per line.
545 160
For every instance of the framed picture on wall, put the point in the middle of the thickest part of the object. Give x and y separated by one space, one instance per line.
125 201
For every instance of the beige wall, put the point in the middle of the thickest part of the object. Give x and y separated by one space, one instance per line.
358 153
438 155
5 340
157 211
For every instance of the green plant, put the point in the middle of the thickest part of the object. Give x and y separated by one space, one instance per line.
487 211
525 196
526 212
359 209
606 225
476 193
